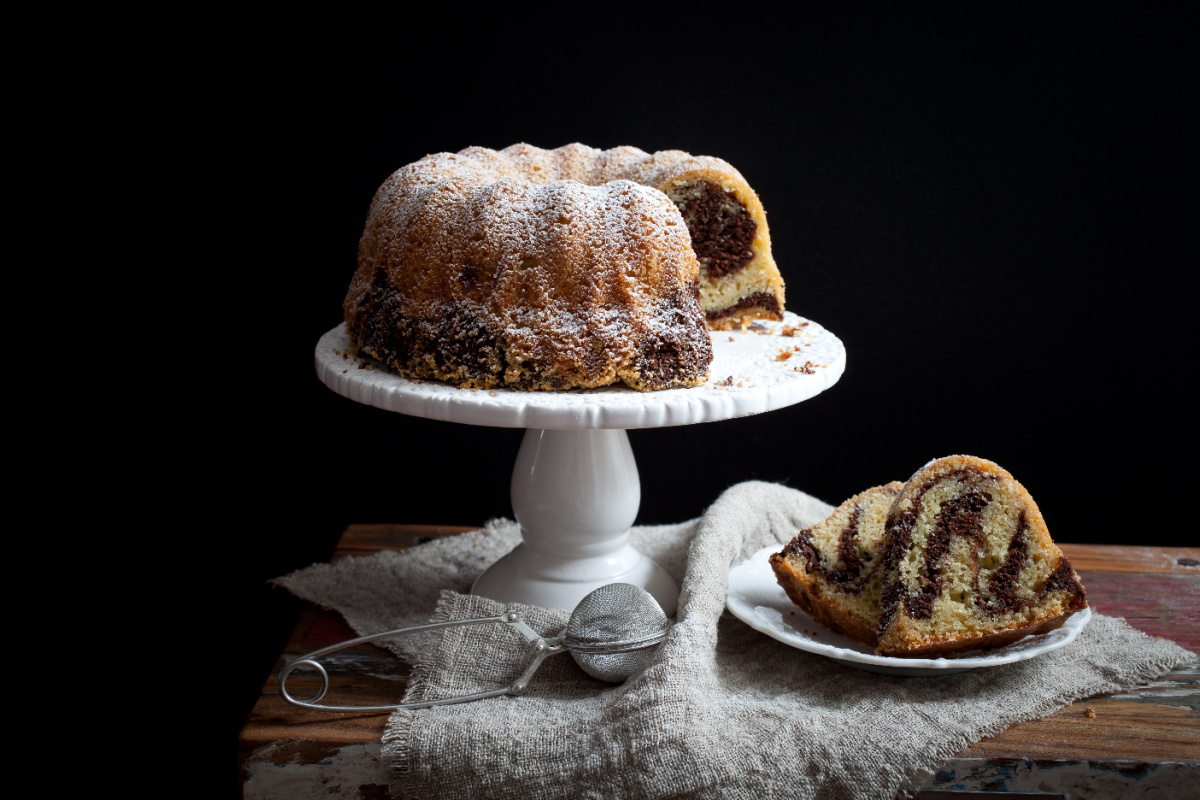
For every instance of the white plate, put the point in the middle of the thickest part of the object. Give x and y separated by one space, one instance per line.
754 597
812 360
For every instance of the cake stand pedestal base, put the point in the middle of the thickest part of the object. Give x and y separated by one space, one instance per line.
575 487
576 494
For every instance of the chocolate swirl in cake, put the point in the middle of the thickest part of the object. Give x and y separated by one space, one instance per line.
962 517
847 572
851 572
766 301
721 227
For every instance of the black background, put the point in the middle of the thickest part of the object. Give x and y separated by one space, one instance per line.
993 210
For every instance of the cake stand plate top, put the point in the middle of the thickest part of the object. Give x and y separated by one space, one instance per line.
753 371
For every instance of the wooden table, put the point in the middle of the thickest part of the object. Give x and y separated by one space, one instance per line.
1144 741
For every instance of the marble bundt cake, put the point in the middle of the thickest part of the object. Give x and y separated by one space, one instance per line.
834 570
969 563
958 558
553 269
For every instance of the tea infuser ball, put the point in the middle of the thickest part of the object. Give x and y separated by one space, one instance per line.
612 634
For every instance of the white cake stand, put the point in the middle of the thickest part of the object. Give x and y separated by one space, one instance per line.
575 486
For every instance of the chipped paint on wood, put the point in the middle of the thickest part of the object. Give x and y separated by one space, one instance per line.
1095 779
290 770
1179 688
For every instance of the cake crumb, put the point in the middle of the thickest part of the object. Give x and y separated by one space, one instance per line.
345 371
739 384
727 382
731 338
808 368
1090 713
792 330
784 355
491 394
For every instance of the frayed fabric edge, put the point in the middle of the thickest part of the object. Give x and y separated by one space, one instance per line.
397 735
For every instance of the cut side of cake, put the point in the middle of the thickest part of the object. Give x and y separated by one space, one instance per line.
739 281
834 570
958 558
969 563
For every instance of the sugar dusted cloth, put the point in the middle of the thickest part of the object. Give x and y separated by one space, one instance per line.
723 711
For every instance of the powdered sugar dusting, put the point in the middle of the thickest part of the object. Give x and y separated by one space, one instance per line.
586 284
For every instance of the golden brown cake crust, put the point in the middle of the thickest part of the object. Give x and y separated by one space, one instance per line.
809 597
910 645
553 269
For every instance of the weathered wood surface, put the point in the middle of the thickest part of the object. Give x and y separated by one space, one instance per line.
1146 740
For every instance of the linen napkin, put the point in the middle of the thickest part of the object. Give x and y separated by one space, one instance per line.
722 711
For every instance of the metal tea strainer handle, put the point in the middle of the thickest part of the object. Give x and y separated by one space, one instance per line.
612 634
